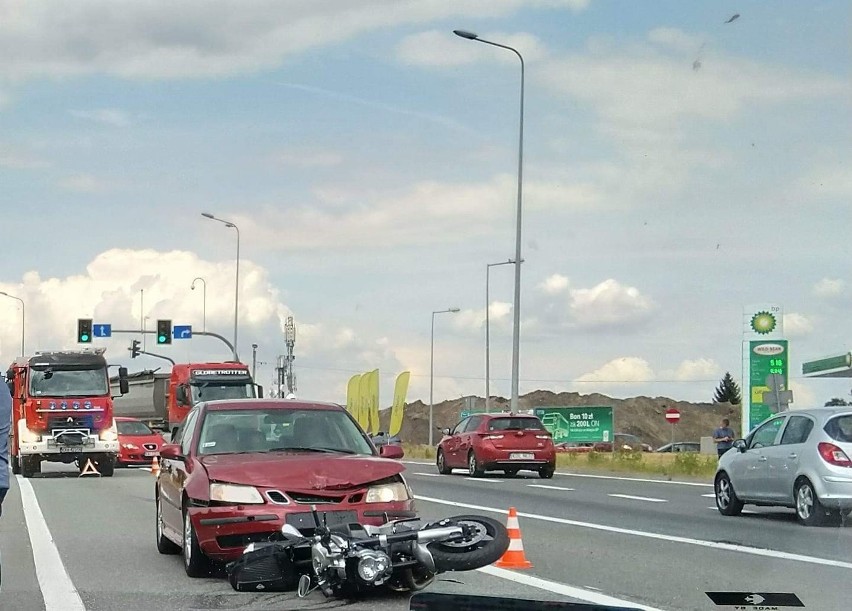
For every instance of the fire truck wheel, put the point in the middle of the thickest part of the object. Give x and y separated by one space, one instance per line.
16 465
30 465
106 465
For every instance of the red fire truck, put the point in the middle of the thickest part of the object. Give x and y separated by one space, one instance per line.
62 411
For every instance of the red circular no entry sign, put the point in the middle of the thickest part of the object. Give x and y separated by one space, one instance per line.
672 415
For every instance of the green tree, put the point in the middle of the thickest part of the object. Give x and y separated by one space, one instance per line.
728 391
836 402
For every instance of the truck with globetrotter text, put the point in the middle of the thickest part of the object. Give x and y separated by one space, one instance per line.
62 411
162 400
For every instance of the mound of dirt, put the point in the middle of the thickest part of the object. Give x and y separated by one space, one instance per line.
640 416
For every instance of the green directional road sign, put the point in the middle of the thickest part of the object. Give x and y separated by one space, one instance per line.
577 424
827 364
467 412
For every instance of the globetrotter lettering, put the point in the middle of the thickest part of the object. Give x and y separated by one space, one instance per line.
210 372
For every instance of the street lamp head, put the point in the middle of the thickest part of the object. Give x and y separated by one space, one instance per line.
230 225
454 310
466 34
5 293
208 215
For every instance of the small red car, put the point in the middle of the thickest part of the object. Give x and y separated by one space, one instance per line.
240 469
492 442
138 444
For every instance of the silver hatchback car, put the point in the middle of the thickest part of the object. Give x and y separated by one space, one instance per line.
799 459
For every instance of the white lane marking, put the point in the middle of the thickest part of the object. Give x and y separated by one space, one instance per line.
562 588
730 547
546 487
635 479
414 462
57 589
638 498
484 479
709 496
743 511
429 474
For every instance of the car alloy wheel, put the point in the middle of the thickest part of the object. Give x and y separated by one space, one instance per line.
442 464
473 467
809 510
726 499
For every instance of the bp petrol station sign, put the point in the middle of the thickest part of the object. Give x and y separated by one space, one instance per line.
766 358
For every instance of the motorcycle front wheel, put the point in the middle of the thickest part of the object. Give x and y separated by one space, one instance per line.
485 545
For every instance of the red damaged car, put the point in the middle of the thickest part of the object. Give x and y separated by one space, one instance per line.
137 443
239 469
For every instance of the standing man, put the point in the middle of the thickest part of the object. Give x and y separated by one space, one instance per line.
724 437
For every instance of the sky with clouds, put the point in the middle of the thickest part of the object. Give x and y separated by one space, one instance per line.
677 167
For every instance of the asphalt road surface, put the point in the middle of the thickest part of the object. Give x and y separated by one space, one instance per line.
610 540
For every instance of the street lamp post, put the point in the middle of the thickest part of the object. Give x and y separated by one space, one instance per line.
254 362
516 332
237 282
432 372
488 333
203 301
23 320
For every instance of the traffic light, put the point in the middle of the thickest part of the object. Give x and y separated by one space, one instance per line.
164 332
84 330
134 348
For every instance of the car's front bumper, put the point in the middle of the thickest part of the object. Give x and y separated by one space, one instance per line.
223 532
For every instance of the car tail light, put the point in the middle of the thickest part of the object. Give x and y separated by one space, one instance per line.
833 455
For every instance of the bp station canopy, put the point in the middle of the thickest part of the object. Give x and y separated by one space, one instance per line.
839 366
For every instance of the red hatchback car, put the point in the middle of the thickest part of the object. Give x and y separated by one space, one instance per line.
240 469
137 444
497 442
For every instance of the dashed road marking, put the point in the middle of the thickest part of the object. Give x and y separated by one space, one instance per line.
638 498
546 487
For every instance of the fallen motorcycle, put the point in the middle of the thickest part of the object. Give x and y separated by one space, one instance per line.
348 559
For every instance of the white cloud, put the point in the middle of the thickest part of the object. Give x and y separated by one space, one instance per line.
803 396
161 40
498 313
697 370
84 183
554 284
620 370
107 116
16 159
609 303
442 49
797 325
830 287
308 159
674 39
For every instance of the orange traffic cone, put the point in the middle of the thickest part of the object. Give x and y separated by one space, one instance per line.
514 557
155 467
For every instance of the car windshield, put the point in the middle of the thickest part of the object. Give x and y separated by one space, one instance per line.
69 383
215 391
515 424
281 430
132 427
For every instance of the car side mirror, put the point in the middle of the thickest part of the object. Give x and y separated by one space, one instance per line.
171 451
740 445
445 431
391 451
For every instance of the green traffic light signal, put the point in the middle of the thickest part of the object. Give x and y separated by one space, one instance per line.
164 331
84 330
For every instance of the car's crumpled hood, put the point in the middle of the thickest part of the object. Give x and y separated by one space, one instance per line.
299 471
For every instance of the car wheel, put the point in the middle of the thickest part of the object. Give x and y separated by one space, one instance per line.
443 469
547 472
473 466
809 510
164 545
511 472
727 501
195 562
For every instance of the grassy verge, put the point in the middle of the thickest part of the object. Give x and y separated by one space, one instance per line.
640 463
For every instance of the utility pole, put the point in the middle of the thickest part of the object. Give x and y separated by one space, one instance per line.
290 341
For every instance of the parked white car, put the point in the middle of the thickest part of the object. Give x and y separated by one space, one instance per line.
798 459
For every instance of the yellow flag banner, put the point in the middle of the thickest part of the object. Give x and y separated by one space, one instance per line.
364 401
399 393
374 402
352 396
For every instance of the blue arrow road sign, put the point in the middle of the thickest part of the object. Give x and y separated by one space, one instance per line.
102 330
182 331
